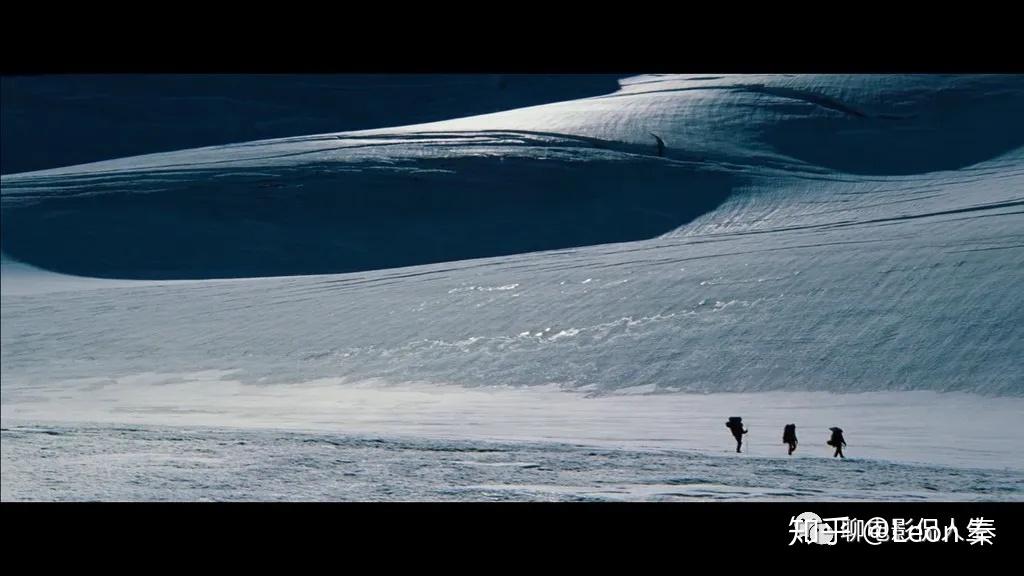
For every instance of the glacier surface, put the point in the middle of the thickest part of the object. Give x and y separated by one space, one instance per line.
636 263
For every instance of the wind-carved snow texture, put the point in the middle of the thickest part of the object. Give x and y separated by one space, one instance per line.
683 234
44 120
733 262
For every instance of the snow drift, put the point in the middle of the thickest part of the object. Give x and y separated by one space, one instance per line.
842 233
45 120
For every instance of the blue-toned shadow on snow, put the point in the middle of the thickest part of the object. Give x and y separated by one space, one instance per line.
319 219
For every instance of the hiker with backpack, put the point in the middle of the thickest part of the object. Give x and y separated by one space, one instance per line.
789 437
838 441
735 424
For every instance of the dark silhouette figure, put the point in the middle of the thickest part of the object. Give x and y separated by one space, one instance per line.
838 441
661 144
789 437
735 424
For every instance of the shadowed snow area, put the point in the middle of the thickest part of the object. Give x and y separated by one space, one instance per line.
629 166
44 120
321 220
788 275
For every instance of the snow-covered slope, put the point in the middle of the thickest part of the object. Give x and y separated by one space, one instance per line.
842 233
45 121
